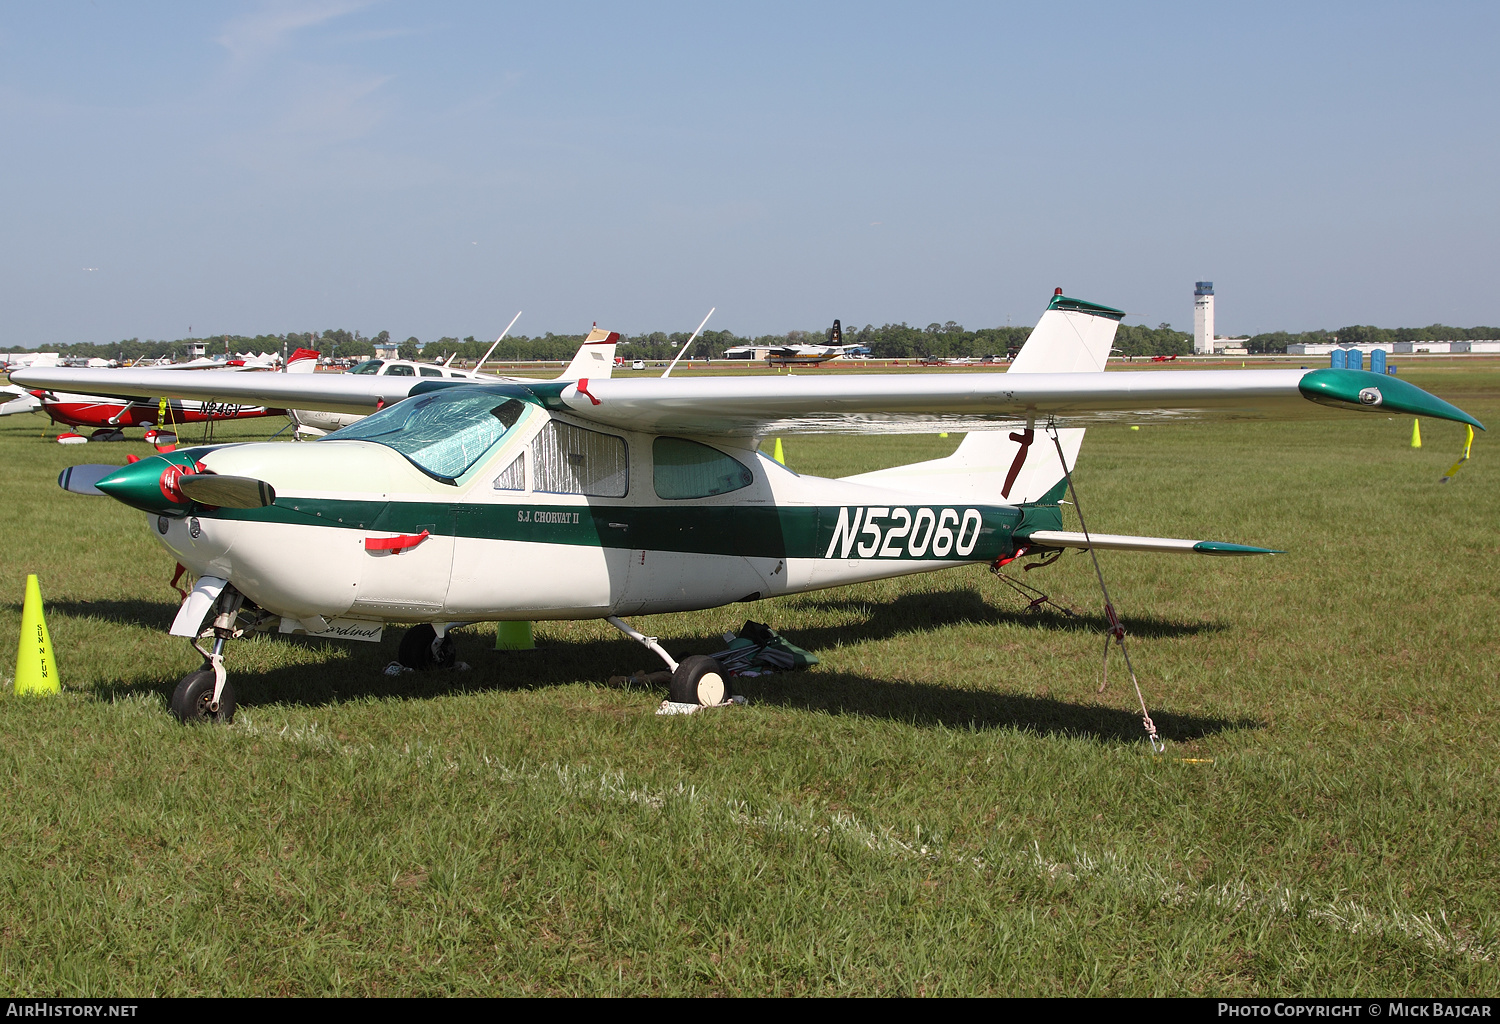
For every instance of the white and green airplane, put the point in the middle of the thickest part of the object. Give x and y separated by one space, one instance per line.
460 501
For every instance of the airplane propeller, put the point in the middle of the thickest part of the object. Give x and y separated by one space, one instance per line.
227 491
81 479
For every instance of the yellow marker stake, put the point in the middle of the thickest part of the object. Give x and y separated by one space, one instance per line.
161 413
1416 433
778 454
1468 443
36 671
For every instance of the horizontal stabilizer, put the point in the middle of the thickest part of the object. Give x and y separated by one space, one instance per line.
1118 542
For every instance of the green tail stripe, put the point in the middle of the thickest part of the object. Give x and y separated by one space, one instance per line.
1063 302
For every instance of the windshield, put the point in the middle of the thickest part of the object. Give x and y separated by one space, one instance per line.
444 433
368 366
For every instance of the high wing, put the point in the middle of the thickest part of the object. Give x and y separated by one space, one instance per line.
332 392
753 406
1044 383
920 402
357 394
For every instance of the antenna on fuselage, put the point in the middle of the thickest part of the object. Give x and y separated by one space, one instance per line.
479 367
689 344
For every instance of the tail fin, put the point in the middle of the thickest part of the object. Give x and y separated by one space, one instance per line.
304 360
595 359
1020 465
1072 336
991 466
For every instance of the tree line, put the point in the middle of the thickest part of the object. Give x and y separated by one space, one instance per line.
889 341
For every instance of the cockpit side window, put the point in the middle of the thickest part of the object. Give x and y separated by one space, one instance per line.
368 366
397 370
572 460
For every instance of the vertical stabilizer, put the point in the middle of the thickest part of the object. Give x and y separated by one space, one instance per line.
596 357
1021 464
304 360
1072 336
1010 466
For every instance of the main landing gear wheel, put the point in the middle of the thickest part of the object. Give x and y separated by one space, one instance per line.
699 680
192 699
422 649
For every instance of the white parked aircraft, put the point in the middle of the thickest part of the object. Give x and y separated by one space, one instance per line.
16 360
595 359
15 400
463 501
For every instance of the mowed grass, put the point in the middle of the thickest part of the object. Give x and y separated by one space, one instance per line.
944 805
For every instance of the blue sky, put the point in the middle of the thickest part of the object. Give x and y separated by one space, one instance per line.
429 169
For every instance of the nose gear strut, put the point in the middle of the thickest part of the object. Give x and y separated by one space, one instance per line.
205 694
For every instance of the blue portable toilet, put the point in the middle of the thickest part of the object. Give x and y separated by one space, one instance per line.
1377 361
1337 359
1356 359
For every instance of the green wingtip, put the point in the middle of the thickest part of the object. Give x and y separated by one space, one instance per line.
1377 392
1218 547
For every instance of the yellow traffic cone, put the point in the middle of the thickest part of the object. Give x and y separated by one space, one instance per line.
778 454
943 434
514 636
36 671
1416 433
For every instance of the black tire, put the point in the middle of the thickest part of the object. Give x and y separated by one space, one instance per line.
422 650
699 680
191 698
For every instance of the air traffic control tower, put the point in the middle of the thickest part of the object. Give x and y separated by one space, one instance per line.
1203 318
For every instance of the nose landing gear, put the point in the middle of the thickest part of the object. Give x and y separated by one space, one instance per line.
193 701
205 695
423 647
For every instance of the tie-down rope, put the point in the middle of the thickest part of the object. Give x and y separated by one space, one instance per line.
1116 631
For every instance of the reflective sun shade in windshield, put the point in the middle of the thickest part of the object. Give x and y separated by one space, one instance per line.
444 433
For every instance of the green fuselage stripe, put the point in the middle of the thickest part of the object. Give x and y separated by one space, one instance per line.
748 530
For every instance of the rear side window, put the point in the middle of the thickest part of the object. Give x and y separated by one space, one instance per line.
431 371
687 469
571 460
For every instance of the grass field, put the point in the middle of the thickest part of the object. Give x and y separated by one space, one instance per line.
943 806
